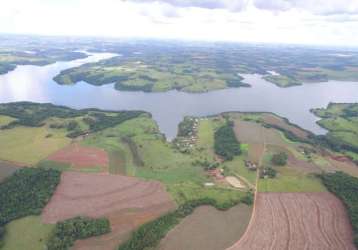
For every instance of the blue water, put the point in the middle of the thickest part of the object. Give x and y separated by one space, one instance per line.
34 83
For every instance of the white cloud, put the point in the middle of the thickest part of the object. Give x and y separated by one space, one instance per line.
294 21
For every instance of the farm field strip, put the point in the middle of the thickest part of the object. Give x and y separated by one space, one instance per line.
297 221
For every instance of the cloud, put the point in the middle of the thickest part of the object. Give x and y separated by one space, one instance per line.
232 5
320 7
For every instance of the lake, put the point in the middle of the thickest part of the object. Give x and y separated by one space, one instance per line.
34 83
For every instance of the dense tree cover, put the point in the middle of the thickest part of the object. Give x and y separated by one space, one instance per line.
150 234
185 128
271 172
35 114
226 145
279 159
25 193
68 231
346 188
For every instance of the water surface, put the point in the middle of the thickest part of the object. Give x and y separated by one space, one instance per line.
34 83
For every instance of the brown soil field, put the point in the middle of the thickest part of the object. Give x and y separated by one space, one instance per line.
292 161
248 132
278 121
254 133
7 169
126 201
208 229
81 157
316 221
348 167
255 152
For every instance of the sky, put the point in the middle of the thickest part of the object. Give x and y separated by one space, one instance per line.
326 22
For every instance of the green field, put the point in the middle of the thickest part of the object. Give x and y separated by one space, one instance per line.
27 233
282 81
341 120
29 145
290 180
5 120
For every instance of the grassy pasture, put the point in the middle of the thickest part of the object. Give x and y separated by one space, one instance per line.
27 233
5 120
290 180
29 145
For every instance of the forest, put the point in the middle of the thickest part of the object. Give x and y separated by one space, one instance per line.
67 232
25 193
226 145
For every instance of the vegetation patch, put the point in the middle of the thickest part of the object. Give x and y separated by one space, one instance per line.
346 188
25 193
226 145
341 120
67 232
35 115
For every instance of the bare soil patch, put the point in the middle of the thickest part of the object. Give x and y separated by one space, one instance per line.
254 133
280 122
208 229
256 151
347 166
235 182
80 156
126 201
316 221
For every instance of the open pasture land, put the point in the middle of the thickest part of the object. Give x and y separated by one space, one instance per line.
27 233
81 157
126 201
313 221
29 145
208 229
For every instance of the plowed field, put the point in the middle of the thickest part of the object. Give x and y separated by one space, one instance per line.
126 201
316 221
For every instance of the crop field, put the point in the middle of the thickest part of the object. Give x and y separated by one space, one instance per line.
29 145
297 221
208 229
128 202
81 157
27 233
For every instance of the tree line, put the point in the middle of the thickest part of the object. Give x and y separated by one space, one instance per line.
346 188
